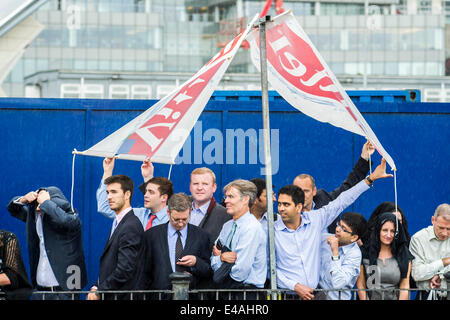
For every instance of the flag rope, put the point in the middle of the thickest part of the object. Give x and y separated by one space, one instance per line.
395 194
170 170
73 181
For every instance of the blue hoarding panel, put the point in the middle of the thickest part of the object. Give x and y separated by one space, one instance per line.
38 136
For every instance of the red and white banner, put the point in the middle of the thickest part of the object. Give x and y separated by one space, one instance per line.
297 71
160 132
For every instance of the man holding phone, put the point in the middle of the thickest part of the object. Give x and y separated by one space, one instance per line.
176 246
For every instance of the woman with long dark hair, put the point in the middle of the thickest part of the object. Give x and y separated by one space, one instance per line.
386 262
14 283
386 206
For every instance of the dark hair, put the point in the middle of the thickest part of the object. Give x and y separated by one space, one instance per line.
383 207
165 186
296 193
399 245
260 184
356 222
125 183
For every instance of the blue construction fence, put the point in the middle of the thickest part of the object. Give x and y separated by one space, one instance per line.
39 135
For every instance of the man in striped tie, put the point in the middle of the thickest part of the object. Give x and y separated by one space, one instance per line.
176 246
246 239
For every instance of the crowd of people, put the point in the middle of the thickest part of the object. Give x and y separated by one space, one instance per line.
226 246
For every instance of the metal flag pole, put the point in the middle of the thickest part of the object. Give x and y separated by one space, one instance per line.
267 155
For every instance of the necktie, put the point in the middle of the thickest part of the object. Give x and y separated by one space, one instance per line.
178 252
150 222
113 228
233 230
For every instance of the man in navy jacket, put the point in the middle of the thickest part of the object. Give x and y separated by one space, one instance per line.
54 240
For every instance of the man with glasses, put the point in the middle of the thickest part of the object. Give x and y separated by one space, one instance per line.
176 246
341 256
298 234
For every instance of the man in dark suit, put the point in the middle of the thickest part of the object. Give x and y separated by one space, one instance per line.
206 212
57 264
120 260
316 199
175 247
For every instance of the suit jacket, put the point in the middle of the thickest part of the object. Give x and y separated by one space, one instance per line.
215 217
121 259
322 197
157 267
62 234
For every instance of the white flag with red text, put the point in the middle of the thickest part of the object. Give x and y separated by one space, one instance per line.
297 71
160 132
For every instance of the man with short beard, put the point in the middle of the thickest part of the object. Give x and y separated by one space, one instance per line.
120 260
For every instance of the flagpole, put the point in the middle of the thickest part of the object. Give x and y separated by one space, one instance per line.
267 155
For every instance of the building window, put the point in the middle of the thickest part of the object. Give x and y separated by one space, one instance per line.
163 90
141 91
119 91
92 91
69 90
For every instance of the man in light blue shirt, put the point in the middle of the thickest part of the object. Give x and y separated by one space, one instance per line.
341 256
157 193
245 237
259 210
298 235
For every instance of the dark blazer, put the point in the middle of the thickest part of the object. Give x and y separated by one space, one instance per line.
215 217
322 197
121 259
157 267
62 234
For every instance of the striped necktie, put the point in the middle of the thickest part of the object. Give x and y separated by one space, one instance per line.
233 230
178 252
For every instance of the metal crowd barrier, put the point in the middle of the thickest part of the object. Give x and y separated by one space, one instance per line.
222 294
180 291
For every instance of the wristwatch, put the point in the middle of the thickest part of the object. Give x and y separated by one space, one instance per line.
369 180
335 258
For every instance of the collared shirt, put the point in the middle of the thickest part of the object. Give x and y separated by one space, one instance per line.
428 251
197 215
265 224
172 237
119 218
298 251
340 274
143 214
249 242
44 274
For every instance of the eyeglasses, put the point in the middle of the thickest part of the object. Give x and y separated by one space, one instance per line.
338 224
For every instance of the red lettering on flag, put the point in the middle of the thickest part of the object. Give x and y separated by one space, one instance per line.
294 59
158 127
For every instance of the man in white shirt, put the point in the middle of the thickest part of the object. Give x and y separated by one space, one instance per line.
431 249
